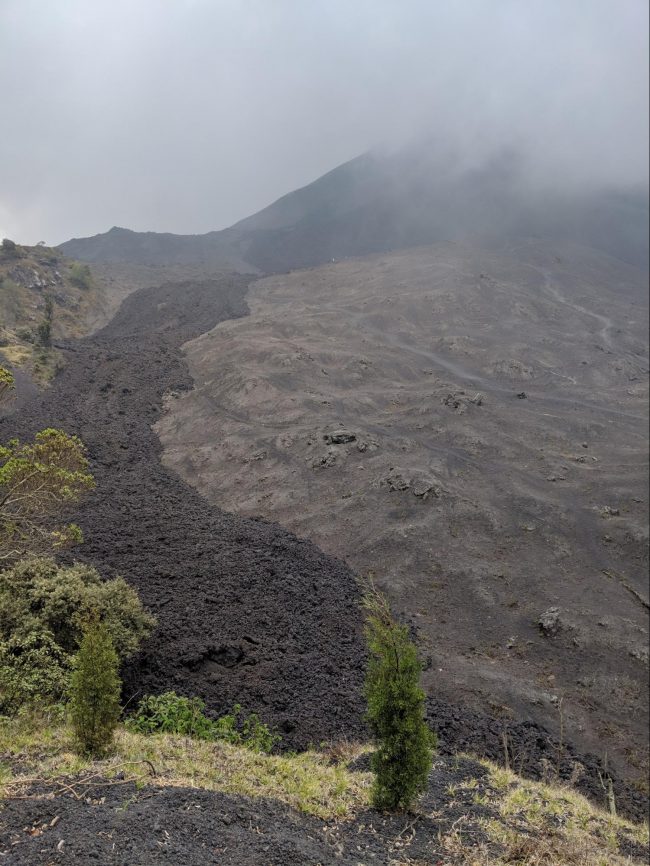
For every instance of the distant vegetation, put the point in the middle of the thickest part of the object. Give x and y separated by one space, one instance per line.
43 297
80 275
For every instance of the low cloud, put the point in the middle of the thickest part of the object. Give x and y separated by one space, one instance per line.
187 116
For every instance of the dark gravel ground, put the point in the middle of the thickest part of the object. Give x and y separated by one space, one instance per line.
157 825
120 825
247 612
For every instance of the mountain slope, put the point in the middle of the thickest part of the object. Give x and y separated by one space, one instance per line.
45 297
377 202
469 427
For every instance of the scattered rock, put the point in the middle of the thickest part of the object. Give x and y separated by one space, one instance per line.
549 622
369 444
423 486
641 654
513 369
324 460
457 401
397 481
420 484
339 437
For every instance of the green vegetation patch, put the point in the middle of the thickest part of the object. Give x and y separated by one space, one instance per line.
43 608
308 782
170 713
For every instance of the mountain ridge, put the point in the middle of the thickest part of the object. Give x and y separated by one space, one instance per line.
375 203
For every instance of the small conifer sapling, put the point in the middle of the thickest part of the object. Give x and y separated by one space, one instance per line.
95 690
404 754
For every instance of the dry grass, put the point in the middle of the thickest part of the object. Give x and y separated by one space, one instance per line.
553 825
522 850
309 781
533 824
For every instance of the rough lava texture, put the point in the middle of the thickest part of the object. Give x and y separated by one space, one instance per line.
247 612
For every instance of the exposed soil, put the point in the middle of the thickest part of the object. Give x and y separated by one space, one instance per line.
117 824
110 821
247 612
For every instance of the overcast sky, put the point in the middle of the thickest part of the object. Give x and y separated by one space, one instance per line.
187 115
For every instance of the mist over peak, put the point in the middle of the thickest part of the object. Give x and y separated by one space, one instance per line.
188 117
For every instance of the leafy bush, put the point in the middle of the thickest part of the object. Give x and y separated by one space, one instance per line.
95 690
170 713
7 384
403 758
33 670
80 275
43 608
38 480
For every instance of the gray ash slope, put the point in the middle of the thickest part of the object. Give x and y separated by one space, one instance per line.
247 612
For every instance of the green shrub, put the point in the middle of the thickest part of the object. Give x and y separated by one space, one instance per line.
403 758
80 275
95 690
43 607
39 481
7 384
25 334
33 669
170 713
43 332
248 731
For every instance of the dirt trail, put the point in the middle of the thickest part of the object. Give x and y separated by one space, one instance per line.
464 374
553 289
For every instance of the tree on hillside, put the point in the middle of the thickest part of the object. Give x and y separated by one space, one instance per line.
7 385
38 480
80 275
95 690
403 758
44 330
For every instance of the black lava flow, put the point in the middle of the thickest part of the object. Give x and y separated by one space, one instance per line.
247 613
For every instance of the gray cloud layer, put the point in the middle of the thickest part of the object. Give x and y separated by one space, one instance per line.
186 115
